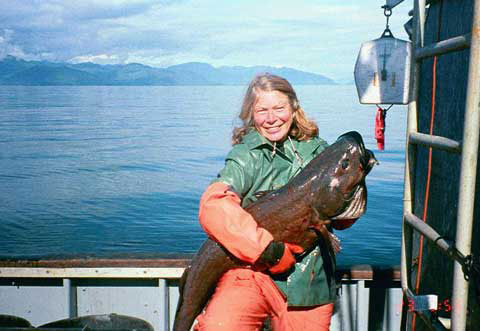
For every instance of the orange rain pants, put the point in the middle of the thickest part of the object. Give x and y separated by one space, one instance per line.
243 300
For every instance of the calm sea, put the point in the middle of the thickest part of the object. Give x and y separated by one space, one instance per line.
109 170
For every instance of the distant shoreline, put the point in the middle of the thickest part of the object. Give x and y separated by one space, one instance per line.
18 72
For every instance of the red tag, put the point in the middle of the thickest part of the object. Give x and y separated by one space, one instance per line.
380 128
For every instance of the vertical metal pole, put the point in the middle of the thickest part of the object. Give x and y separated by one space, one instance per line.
70 297
347 305
336 322
468 171
362 306
421 22
410 150
391 321
173 297
164 311
417 40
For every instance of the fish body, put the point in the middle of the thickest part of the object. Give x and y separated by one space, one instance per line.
330 188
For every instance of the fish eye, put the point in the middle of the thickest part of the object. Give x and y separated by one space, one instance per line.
345 164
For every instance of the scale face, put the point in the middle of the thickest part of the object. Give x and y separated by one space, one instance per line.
382 71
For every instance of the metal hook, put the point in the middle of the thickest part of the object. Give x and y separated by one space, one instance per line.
387 11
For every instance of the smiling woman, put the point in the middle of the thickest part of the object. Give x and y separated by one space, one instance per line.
275 142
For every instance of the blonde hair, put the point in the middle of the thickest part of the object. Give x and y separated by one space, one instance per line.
301 129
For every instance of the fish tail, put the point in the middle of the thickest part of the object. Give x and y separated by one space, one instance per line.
325 234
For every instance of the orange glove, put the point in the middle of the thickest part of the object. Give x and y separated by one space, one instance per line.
287 260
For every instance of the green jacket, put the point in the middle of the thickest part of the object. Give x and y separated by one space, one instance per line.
253 166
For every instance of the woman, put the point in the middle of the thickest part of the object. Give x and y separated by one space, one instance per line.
275 142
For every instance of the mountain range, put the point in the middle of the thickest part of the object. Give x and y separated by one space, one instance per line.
14 71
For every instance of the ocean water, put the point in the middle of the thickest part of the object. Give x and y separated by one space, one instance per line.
114 170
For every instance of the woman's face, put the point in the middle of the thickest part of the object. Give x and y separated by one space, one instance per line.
272 115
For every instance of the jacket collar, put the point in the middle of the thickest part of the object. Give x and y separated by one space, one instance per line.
253 139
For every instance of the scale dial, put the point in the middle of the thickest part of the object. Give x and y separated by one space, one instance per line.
382 71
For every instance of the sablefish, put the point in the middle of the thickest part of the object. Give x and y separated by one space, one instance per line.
330 188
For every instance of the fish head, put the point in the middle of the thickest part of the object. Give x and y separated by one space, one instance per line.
346 163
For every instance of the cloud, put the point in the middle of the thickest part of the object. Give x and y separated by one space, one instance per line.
7 47
304 35
100 59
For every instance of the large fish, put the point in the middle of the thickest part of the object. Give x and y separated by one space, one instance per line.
330 188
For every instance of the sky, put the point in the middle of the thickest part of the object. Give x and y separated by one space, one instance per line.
321 36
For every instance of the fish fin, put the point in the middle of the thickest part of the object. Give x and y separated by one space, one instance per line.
319 225
317 220
335 241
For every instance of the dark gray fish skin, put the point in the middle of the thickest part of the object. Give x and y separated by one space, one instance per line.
331 187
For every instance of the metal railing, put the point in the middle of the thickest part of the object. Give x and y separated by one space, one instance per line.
148 289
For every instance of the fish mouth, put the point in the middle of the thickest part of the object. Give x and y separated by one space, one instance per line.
367 159
357 203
